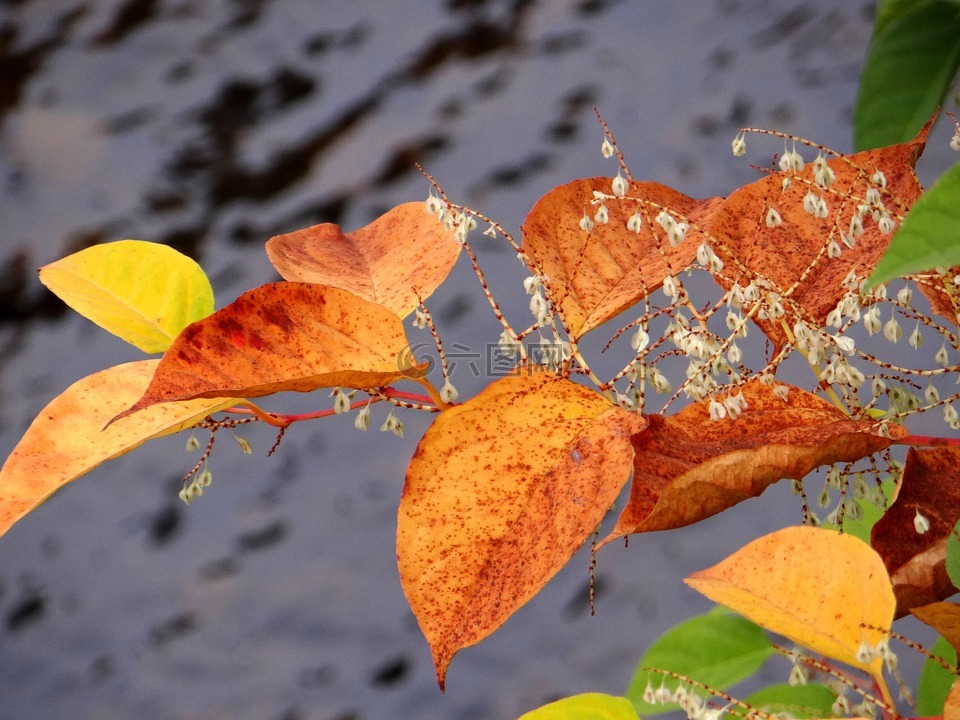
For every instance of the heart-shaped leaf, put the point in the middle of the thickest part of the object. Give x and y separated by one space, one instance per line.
402 255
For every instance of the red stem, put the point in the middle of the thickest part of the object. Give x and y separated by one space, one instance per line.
930 440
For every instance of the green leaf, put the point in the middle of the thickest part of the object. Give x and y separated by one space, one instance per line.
717 649
927 238
911 61
142 292
590 706
870 514
935 682
953 555
796 701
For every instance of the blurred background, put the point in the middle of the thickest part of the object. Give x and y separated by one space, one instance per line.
211 125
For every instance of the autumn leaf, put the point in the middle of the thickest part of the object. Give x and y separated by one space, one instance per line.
501 491
142 292
401 255
593 276
588 706
825 591
944 617
281 337
951 707
688 467
916 561
68 439
791 254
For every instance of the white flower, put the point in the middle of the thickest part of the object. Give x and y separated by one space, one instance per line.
941 356
916 339
717 410
739 145
586 224
635 222
448 393
773 218
886 224
871 320
606 148
892 330
419 320
640 340
931 395
920 523
362 420
532 284
341 401
601 215
619 185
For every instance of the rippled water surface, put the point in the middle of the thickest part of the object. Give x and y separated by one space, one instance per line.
212 125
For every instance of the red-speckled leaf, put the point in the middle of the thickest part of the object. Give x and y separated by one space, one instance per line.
279 337
917 562
594 276
68 439
401 254
932 287
783 254
688 467
944 617
501 491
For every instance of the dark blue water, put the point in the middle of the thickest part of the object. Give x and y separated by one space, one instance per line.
212 125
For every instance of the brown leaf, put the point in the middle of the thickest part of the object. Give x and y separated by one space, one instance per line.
941 300
944 617
687 467
400 254
282 336
595 276
783 254
917 562
501 491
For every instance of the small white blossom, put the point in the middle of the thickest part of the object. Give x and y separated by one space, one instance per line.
931 394
773 218
950 416
660 383
602 216
635 222
833 249
192 443
419 320
733 354
448 393
433 205
341 401
920 523
392 424
640 340
871 320
619 185
532 284
955 141
717 410
739 145
822 173
892 330
362 420
941 357
886 224
586 224
491 231
916 338
810 202
606 148
781 391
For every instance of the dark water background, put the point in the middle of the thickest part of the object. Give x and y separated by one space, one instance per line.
211 125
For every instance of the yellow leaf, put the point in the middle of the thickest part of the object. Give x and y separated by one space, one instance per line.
501 491
589 706
67 438
144 293
812 585
951 707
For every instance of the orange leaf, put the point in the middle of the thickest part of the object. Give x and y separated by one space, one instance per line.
941 299
595 276
282 336
917 562
501 491
688 467
391 260
825 591
944 617
951 706
783 254
68 439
